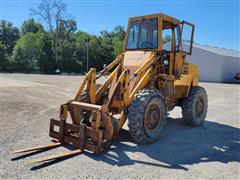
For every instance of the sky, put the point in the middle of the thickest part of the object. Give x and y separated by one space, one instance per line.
216 21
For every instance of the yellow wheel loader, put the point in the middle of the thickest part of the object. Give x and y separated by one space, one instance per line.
149 78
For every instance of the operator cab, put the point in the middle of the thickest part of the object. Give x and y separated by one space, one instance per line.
160 34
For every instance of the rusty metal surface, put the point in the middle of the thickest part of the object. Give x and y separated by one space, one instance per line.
36 148
56 156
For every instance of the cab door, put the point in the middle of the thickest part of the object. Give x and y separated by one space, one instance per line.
183 45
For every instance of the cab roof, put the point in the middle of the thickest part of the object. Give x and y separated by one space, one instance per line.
161 15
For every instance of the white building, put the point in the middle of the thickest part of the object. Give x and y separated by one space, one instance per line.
215 64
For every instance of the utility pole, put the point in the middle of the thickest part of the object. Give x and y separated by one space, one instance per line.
56 45
87 41
57 39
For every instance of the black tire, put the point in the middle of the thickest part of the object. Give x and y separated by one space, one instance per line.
147 130
194 107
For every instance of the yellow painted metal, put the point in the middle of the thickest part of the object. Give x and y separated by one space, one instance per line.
178 64
109 130
105 86
193 71
63 111
96 119
122 120
142 83
161 15
182 86
160 32
171 62
124 90
80 90
111 65
90 83
145 66
92 86
173 39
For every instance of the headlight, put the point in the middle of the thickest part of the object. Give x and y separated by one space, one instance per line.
165 62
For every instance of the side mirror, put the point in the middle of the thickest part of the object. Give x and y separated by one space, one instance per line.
186 37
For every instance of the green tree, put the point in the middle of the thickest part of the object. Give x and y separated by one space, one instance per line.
80 53
111 43
4 59
118 39
66 46
102 49
46 61
8 37
66 29
33 53
119 32
106 49
25 53
67 62
30 26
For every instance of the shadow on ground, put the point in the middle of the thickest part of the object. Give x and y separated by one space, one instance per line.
180 145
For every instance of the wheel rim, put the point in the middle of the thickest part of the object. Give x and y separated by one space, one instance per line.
199 106
152 116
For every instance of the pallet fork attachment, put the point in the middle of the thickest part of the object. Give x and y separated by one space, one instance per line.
37 148
47 147
97 131
57 156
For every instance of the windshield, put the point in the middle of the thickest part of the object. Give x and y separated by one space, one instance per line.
143 34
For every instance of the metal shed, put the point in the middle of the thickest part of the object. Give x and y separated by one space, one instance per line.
215 64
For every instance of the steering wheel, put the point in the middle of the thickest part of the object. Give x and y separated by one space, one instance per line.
146 44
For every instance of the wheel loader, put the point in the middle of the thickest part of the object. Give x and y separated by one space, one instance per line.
146 80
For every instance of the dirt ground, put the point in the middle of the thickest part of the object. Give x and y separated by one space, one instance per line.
210 151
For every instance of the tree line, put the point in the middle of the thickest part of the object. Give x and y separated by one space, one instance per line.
59 46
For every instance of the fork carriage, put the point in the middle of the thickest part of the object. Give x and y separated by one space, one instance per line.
97 115
81 135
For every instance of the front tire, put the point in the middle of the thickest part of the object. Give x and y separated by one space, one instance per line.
147 116
194 107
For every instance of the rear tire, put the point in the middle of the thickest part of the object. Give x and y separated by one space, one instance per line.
147 116
194 107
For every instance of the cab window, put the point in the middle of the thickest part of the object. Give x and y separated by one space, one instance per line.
143 34
133 35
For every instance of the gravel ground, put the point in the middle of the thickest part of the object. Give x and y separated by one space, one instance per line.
210 151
